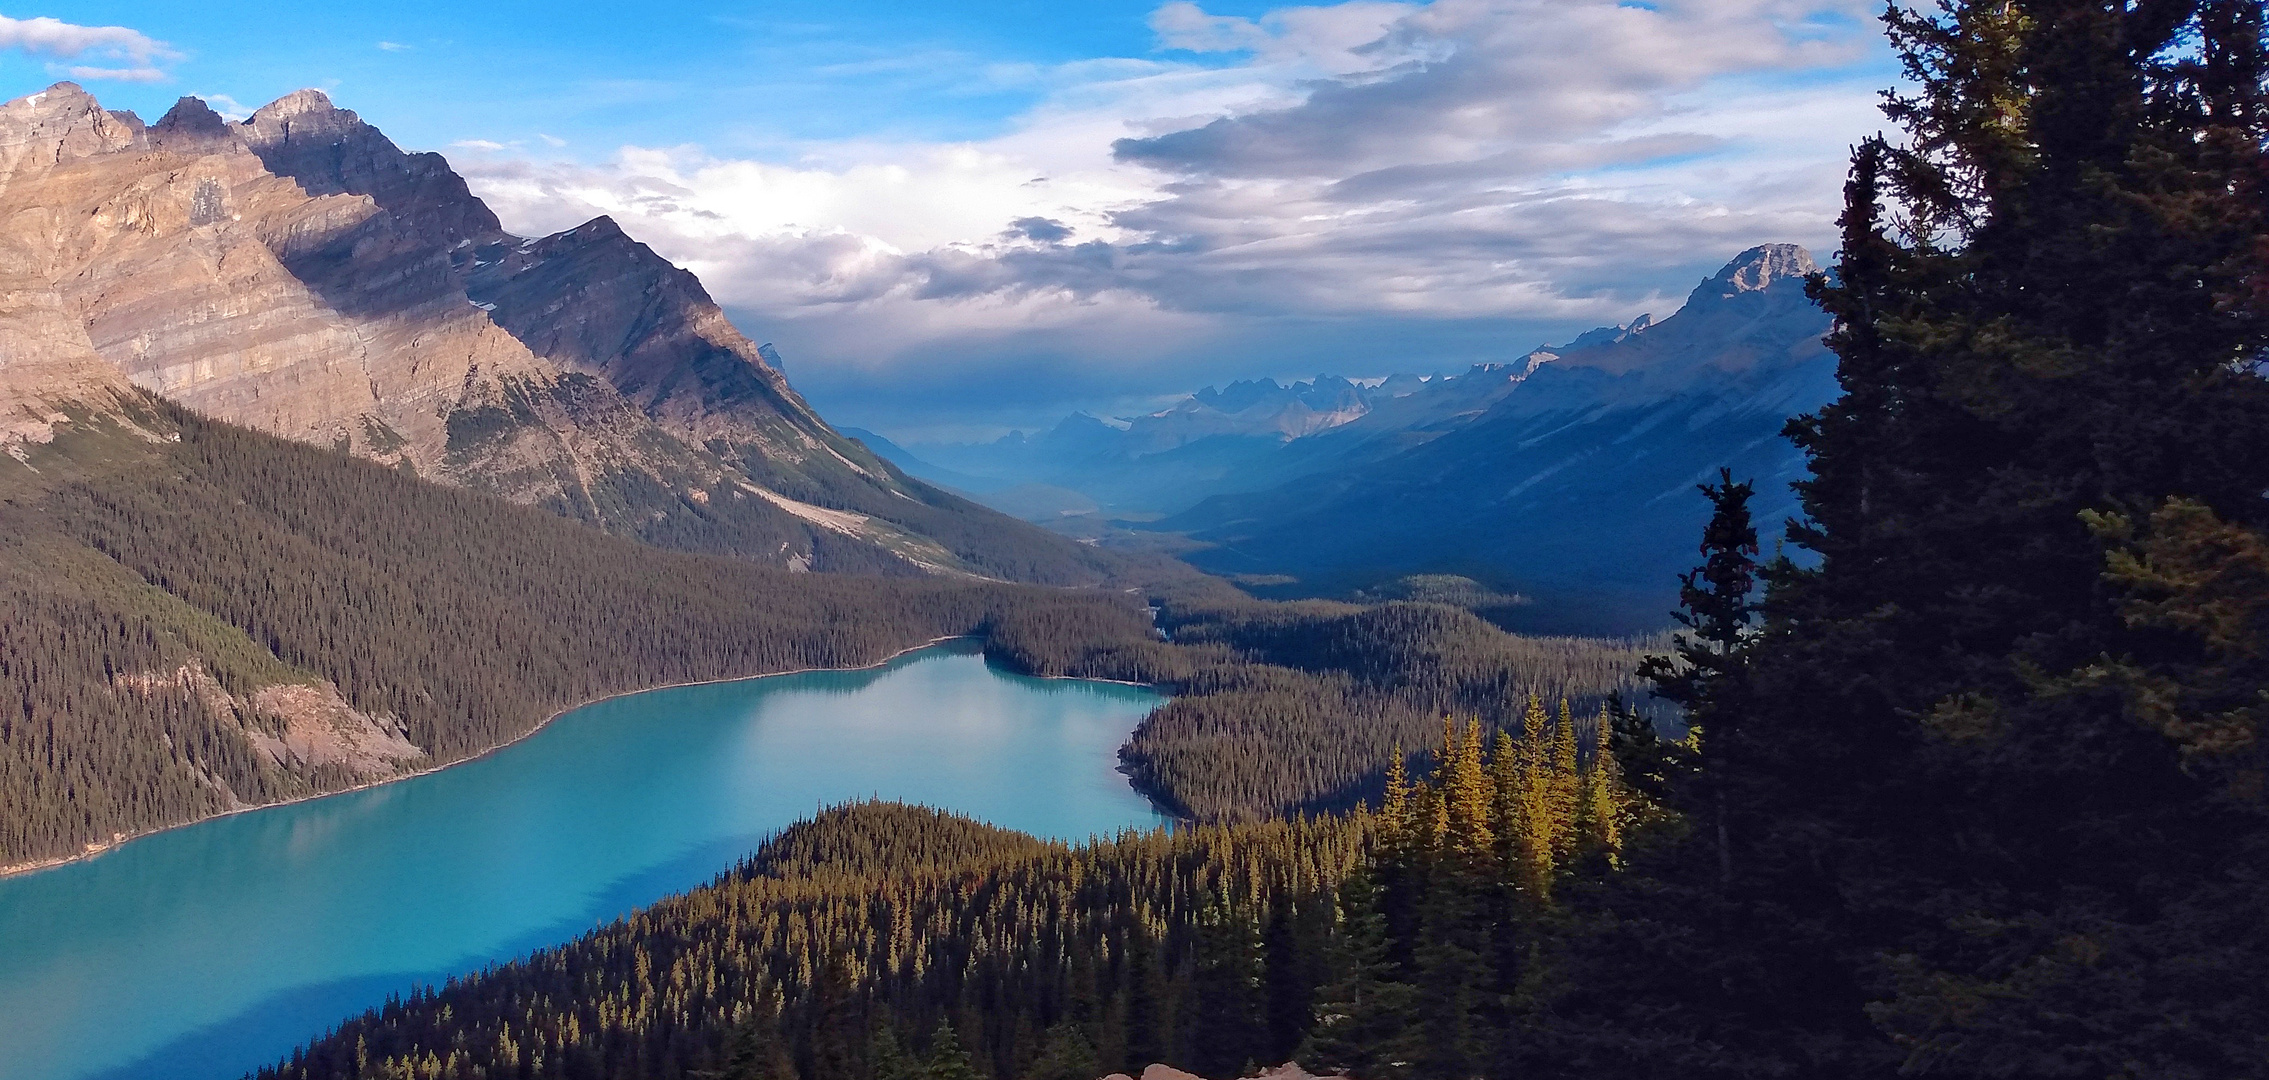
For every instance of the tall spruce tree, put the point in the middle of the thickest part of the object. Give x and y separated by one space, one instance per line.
947 1059
1710 676
1224 1018
1990 773
1604 799
1065 1054
1366 1017
754 1049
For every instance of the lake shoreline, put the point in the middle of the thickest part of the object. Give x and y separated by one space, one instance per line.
98 850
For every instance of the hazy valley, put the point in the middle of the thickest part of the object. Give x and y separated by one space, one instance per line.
1565 477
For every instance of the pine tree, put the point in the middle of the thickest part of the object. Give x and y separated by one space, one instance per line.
889 1060
1452 976
1524 815
836 1019
1564 789
1065 1054
1149 1025
1397 831
1505 809
754 1050
1710 678
1224 1014
1466 796
1293 941
1605 801
1365 1013
947 1060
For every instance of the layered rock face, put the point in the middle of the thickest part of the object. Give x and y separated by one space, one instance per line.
299 273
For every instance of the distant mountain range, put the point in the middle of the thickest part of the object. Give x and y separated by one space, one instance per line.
1214 441
1565 477
298 273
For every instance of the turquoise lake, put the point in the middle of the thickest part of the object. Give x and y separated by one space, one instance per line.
210 950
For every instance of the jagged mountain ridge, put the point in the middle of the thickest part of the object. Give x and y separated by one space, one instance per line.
299 273
1576 487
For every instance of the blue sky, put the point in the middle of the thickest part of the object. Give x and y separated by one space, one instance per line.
740 77
954 218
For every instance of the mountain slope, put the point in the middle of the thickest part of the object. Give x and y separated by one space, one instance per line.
1576 487
300 274
201 618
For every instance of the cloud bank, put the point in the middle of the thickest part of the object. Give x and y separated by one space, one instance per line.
89 52
1361 188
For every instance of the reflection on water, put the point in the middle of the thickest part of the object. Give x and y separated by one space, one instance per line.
209 950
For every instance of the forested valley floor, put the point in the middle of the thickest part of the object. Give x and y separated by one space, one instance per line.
203 618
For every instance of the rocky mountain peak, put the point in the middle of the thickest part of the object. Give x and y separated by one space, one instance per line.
331 151
296 104
60 123
59 100
1744 315
1756 270
191 122
598 228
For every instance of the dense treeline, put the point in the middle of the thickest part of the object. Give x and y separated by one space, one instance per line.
1297 707
153 588
1435 953
851 943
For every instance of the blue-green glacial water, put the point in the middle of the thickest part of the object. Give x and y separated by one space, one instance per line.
210 950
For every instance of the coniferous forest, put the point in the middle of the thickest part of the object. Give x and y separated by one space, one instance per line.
163 573
1972 785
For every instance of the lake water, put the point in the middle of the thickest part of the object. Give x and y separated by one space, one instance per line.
213 949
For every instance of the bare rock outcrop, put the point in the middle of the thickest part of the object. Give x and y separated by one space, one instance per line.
299 727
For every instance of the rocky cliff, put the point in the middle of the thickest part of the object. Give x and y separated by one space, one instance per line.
299 273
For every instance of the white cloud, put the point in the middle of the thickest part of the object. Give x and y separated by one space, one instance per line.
1184 25
102 52
394 46
228 107
478 144
1339 38
1361 177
